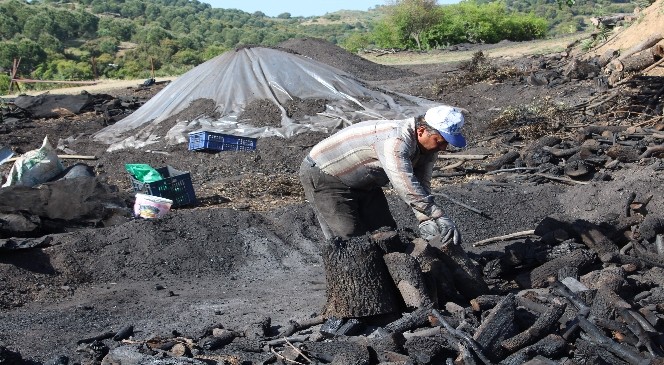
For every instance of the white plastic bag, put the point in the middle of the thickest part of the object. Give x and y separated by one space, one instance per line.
35 167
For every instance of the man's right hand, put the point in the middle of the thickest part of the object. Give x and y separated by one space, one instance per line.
429 229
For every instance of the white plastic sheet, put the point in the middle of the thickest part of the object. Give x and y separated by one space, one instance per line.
236 78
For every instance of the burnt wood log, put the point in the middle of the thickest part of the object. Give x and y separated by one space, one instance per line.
542 327
532 155
645 44
496 327
505 159
417 318
592 237
358 282
637 61
550 346
618 329
612 278
407 275
618 258
607 57
587 353
539 276
650 258
296 326
484 302
437 276
636 324
596 336
606 303
462 338
561 152
609 20
467 276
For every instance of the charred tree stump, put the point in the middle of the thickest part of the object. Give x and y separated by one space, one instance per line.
407 275
542 326
539 276
358 282
467 276
497 326
549 346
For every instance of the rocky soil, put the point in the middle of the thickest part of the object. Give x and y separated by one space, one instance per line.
251 247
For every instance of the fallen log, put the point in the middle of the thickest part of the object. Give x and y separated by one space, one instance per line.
637 61
647 43
609 20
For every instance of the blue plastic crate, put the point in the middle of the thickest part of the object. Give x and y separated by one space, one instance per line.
175 185
210 141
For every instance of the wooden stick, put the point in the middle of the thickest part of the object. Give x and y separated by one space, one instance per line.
653 66
651 150
511 170
561 179
454 165
64 157
461 336
505 237
460 203
464 157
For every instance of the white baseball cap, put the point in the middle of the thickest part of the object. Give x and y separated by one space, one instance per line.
447 121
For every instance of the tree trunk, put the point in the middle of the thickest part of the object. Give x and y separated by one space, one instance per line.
358 282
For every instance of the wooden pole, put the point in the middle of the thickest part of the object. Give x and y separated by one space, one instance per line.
152 66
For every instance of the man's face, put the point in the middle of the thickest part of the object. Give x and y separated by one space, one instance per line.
430 142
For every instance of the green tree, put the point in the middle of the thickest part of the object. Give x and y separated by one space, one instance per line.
412 18
284 15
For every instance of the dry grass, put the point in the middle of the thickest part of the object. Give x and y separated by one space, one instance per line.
507 50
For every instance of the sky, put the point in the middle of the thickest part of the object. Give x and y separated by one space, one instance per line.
303 8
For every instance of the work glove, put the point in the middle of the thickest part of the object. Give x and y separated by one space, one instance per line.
448 231
442 226
429 229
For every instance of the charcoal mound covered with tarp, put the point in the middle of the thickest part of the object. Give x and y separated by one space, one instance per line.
236 78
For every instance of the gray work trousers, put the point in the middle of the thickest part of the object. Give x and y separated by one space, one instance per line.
343 211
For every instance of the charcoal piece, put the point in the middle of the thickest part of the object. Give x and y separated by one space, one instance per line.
331 326
549 346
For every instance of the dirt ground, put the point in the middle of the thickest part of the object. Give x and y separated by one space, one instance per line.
250 248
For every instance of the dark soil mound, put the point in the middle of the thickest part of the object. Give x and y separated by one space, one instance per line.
330 54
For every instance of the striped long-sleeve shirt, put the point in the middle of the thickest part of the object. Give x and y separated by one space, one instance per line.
373 153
